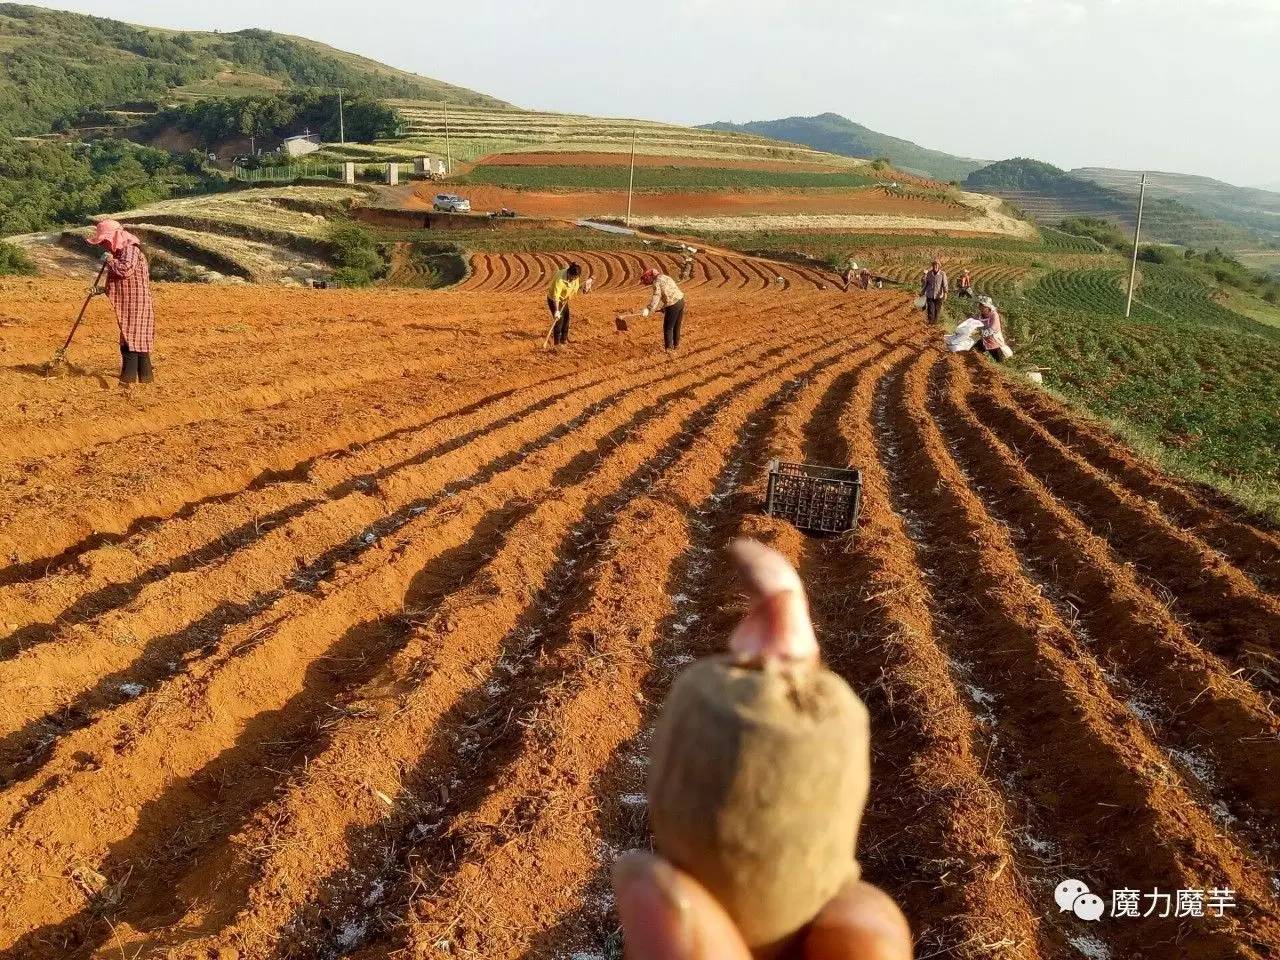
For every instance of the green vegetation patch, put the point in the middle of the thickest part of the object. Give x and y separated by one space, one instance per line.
1200 380
47 184
14 260
286 114
663 178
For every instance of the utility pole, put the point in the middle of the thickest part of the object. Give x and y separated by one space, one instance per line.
342 127
1137 232
631 182
448 151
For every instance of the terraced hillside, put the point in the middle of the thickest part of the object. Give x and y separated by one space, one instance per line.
352 650
266 235
480 130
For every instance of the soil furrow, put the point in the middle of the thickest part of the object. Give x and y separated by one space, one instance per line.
67 681
79 585
1229 615
1201 511
471 629
540 861
45 440
1206 713
281 645
935 834
1062 735
186 474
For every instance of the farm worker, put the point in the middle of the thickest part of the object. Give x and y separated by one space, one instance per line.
667 915
934 289
668 298
564 286
850 272
686 265
128 288
864 278
964 287
993 342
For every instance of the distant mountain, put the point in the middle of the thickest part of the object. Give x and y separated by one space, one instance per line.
1248 207
837 134
56 67
1273 187
1049 195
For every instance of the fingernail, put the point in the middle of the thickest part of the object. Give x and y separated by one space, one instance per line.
654 911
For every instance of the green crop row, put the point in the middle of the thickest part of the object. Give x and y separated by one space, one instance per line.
661 178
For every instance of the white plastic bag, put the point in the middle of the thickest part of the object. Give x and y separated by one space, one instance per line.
921 303
964 337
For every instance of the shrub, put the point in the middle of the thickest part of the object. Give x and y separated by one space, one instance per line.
1104 231
1158 254
357 256
14 260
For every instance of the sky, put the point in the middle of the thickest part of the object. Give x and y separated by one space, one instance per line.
1191 86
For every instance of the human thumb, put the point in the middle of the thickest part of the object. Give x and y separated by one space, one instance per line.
667 915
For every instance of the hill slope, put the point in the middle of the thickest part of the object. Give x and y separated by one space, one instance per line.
837 134
1049 194
1248 207
54 65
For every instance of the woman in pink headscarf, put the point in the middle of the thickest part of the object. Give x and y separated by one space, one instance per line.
129 290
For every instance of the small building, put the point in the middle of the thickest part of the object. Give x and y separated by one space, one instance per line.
426 166
300 145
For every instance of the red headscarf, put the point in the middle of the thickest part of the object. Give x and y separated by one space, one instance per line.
113 236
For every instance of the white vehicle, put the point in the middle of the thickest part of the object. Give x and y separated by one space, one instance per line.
451 203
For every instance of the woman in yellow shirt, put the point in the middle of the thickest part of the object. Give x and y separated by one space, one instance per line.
563 288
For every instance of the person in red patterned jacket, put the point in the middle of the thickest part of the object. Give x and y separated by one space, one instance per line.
129 290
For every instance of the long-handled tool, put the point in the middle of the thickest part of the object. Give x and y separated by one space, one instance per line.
54 366
546 341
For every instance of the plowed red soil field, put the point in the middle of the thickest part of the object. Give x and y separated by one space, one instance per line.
344 638
621 269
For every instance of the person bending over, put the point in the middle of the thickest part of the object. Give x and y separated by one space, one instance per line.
128 287
668 298
564 287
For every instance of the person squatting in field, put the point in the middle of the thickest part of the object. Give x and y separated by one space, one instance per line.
933 287
666 914
964 286
668 298
128 287
564 287
992 341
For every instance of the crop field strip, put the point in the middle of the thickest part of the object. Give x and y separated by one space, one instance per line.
387 684
529 272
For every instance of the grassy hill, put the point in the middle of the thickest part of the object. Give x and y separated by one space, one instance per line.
837 134
1253 209
1050 195
58 69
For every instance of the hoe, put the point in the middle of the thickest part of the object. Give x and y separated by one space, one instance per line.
57 365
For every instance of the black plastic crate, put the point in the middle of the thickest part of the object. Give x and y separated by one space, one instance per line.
820 499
